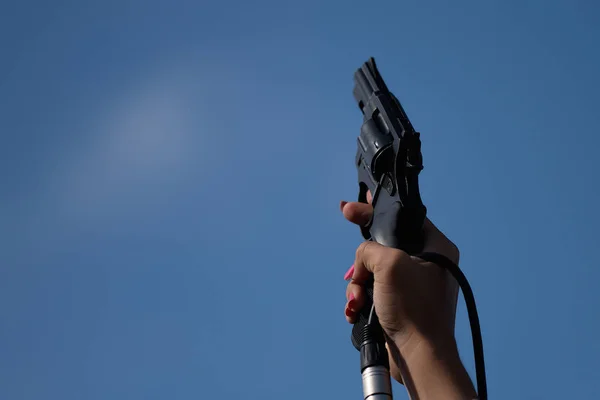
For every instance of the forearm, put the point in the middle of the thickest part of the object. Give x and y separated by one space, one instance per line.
435 372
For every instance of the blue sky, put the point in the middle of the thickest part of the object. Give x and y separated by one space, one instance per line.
171 174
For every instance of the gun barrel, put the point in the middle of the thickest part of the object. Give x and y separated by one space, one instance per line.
368 82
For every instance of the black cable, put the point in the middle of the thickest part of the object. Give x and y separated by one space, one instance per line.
445 263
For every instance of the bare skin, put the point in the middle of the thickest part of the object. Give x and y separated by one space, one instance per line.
416 305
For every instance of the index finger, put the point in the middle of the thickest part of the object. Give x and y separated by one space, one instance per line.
357 212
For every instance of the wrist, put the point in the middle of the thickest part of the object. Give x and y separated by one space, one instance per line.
432 369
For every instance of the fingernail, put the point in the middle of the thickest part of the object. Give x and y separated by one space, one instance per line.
342 204
348 312
349 273
351 302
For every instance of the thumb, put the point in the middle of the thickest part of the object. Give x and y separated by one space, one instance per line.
375 259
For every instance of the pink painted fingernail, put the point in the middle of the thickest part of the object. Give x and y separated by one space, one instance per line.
351 297
349 273
342 204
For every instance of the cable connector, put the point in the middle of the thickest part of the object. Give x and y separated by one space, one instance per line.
375 364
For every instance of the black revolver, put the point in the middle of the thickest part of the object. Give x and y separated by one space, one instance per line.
389 161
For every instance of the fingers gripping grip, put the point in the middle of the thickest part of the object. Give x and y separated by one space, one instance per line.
363 317
391 228
391 225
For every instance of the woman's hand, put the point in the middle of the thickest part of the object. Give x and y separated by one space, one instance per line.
416 305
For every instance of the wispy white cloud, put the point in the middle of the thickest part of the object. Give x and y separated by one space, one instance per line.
143 156
147 139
